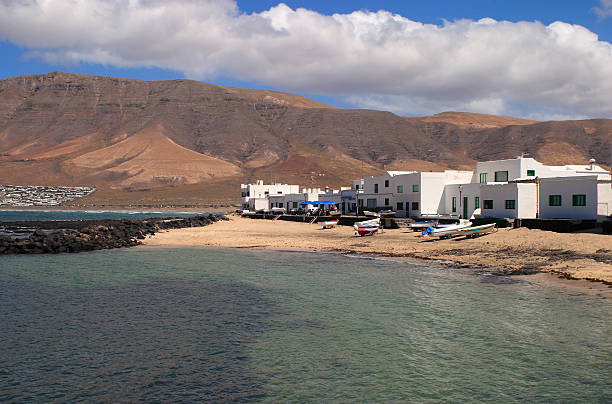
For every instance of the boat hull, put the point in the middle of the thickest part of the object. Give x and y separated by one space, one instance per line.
477 231
367 231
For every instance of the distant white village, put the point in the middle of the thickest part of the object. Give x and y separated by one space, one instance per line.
15 195
515 188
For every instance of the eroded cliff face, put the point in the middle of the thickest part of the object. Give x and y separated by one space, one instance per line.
133 135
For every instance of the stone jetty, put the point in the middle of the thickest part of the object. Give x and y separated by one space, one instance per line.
86 235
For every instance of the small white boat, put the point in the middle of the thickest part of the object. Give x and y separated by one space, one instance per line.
476 231
422 225
328 224
367 223
446 231
368 213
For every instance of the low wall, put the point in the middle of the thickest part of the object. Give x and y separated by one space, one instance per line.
558 225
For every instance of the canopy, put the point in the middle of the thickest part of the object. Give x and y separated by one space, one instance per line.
306 203
326 203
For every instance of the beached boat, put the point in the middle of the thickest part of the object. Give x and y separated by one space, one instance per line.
476 231
446 231
367 231
367 223
416 226
368 213
328 224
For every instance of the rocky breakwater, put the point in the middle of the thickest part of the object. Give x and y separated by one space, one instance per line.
87 235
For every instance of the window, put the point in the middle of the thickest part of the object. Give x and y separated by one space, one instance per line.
386 183
371 203
375 188
267 193
415 205
454 204
501 176
483 178
356 187
487 204
400 206
476 202
294 205
510 204
243 194
554 200
248 193
400 189
578 200
415 188
531 173
386 201
279 192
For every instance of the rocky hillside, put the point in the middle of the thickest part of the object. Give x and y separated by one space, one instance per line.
185 141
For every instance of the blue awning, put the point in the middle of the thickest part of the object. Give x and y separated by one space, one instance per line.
306 203
326 203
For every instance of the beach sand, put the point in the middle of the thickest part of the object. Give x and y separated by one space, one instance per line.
575 255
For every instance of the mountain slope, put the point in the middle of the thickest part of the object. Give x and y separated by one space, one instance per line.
139 140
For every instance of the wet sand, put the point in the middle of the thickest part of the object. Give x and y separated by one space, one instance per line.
576 255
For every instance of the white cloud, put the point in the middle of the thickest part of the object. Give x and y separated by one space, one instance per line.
370 58
605 10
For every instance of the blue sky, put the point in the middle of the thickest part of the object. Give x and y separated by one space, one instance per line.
518 61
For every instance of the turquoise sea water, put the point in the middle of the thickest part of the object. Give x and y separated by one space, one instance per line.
20 215
156 324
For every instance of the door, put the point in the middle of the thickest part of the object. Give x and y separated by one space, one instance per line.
465 207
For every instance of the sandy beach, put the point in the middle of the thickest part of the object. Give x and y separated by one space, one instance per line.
577 255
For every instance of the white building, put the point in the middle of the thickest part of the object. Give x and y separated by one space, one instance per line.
408 193
524 188
511 188
256 196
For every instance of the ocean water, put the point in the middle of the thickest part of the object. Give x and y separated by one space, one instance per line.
208 325
21 215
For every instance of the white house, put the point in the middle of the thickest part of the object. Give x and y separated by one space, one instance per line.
408 193
524 188
256 196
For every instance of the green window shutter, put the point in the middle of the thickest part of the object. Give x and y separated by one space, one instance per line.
579 200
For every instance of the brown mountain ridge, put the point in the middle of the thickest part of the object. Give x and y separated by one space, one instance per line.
189 142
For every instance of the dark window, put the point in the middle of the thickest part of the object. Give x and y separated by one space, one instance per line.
476 202
279 192
510 204
531 173
248 193
267 193
454 204
386 201
501 176
243 194
415 206
578 200
554 200
371 203
356 186
375 188
400 206
294 205
483 178
487 204
386 183
400 189
415 188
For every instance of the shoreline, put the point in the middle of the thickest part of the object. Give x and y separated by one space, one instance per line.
521 252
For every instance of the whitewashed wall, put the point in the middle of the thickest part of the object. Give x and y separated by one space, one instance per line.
566 187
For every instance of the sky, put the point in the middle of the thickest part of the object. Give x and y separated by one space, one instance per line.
540 59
